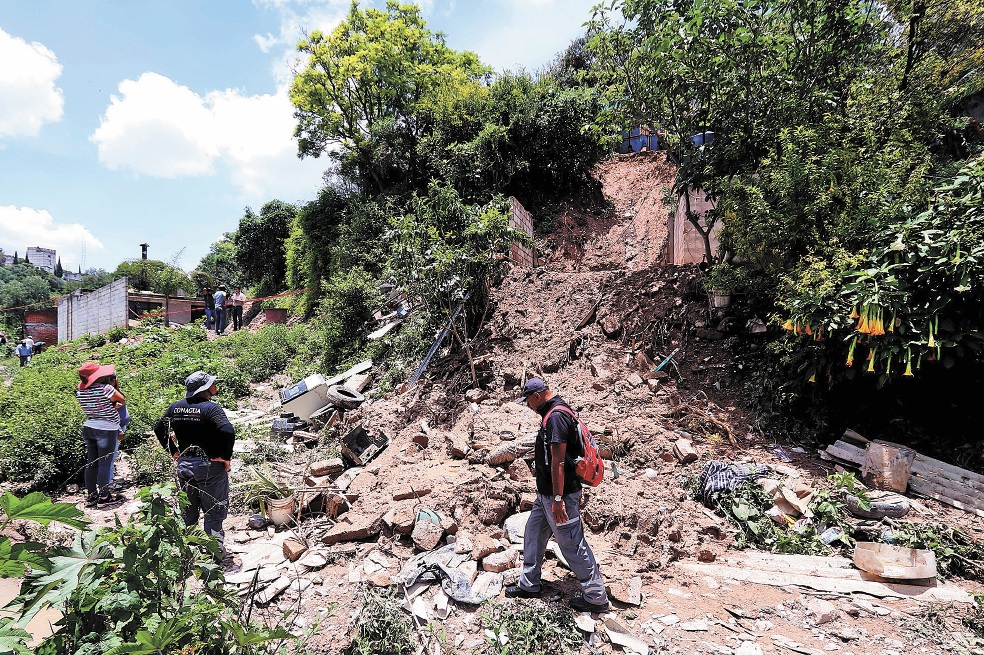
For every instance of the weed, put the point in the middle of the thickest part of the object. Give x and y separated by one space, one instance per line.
957 553
383 628
528 627
149 463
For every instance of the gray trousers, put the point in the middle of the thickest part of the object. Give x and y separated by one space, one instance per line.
207 485
570 538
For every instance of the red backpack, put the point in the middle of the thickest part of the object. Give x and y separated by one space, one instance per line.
589 468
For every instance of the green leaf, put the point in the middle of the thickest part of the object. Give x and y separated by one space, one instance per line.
38 508
14 558
13 639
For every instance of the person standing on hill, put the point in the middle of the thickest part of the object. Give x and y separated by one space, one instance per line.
209 308
101 402
220 310
202 446
557 508
25 352
238 299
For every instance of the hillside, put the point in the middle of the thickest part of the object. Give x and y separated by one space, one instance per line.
595 320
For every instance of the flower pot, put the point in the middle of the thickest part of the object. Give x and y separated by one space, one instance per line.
720 299
280 510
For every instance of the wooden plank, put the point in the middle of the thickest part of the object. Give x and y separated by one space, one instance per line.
936 470
972 503
939 593
847 452
361 367
383 331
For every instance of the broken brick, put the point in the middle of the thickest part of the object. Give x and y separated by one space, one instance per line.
351 528
519 470
684 451
492 511
407 491
499 562
484 545
293 549
327 467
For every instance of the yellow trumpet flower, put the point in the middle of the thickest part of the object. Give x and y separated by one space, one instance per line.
850 352
813 378
871 361
788 325
908 364
854 313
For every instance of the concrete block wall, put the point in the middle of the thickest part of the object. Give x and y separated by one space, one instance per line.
520 219
96 312
686 245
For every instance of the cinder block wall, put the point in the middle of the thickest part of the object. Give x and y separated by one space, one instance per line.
96 312
520 219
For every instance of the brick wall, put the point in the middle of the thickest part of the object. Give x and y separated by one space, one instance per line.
96 312
42 324
521 219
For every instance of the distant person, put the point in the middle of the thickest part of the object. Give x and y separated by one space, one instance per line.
100 401
202 446
557 508
220 310
25 352
209 308
30 342
238 299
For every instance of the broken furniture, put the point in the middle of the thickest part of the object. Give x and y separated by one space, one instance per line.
305 397
359 447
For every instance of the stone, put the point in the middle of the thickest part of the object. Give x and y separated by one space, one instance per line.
313 560
347 479
408 491
526 502
519 471
628 592
499 562
653 384
449 525
514 529
327 467
458 447
484 545
476 395
470 568
599 386
401 518
463 544
379 579
426 534
293 549
684 451
611 326
351 528
669 619
674 533
644 363
822 610
492 511
706 555
584 622
634 380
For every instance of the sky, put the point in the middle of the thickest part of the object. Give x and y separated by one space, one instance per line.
139 121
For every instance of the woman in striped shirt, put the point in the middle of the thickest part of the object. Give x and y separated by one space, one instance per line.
101 431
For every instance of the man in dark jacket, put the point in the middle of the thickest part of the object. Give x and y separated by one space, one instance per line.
557 509
203 450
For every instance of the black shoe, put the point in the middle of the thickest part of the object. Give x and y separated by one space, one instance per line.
92 501
515 591
578 604
108 501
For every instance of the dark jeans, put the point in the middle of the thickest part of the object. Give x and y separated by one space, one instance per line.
209 318
25 359
100 446
207 485
221 319
237 317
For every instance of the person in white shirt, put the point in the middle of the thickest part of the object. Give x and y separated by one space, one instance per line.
238 299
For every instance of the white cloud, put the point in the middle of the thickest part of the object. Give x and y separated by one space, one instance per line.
158 128
21 227
27 87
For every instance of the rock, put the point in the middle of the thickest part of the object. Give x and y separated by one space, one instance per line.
426 534
514 528
492 511
611 326
313 560
600 372
822 610
327 467
519 471
584 622
511 576
674 533
669 619
653 384
706 555
629 592
408 491
499 562
293 549
484 545
347 479
634 380
458 447
470 568
684 451
380 579
476 395
599 386
644 363
449 525
351 528
401 518
848 633
463 544
526 502
421 440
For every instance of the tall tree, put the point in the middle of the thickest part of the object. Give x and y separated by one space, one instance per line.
59 271
261 245
368 87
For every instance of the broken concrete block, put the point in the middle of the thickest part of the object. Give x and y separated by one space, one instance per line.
351 528
628 592
684 451
345 480
448 524
499 562
484 545
634 380
426 534
407 491
327 467
458 447
519 470
492 511
293 549
514 528
317 480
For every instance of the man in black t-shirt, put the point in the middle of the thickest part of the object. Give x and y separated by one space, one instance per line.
203 449
557 509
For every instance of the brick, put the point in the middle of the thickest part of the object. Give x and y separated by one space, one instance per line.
484 545
407 491
492 511
426 534
526 502
327 467
499 562
684 451
519 470
421 440
293 549
628 592
351 528
401 518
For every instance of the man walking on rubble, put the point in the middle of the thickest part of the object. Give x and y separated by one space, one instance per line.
204 440
557 509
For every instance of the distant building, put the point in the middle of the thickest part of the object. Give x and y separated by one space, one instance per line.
43 258
69 275
8 260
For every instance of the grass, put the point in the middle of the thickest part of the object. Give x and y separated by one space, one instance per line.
529 627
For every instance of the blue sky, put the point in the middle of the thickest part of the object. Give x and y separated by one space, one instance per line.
124 122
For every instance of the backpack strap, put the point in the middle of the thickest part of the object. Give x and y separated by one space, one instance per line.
559 408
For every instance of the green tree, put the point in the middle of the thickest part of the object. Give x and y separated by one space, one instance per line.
261 245
369 87
220 265
59 271
16 258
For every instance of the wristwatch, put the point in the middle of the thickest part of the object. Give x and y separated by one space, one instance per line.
558 499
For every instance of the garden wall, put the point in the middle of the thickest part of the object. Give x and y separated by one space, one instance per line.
95 312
